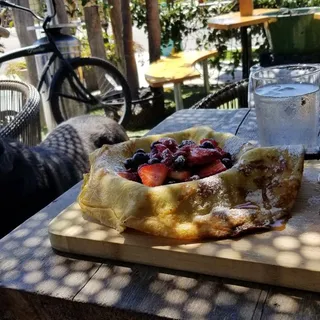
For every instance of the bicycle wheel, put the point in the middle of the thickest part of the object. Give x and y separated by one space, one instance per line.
106 91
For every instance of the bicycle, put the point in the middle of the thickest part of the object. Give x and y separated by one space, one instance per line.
69 87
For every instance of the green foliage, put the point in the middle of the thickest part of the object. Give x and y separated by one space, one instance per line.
179 20
109 48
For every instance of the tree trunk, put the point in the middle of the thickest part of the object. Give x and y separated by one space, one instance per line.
94 31
130 61
26 37
154 30
154 40
62 15
117 27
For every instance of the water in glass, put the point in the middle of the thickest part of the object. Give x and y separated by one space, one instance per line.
287 113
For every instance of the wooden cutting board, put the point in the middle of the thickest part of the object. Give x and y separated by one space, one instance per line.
289 257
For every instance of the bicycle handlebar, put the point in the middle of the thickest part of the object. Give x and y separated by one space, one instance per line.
15 6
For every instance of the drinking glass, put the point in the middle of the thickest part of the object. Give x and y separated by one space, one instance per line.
286 100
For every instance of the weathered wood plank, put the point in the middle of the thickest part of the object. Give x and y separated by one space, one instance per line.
172 294
288 304
15 305
27 261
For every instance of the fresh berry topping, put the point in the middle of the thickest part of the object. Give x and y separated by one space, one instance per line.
227 155
140 158
179 175
179 162
167 157
170 143
194 177
133 176
153 175
186 142
207 145
140 151
227 162
211 169
154 143
201 156
129 164
169 163
172 181
214 142
154 160
158 149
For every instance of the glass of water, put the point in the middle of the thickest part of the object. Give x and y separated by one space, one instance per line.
286 100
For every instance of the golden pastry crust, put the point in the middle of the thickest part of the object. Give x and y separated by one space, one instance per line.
259 189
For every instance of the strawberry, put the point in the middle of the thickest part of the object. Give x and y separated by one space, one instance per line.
201 156
133 176
153 175
179 175
211 169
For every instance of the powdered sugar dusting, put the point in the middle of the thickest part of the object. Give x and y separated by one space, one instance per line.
255 197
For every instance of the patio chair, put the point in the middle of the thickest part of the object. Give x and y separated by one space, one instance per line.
232 96
19 112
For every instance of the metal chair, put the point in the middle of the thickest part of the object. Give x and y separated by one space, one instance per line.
20 112
232 96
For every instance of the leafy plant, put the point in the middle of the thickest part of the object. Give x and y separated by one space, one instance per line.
179 20
15 67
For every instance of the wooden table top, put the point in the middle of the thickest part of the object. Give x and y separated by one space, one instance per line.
39 283
234 20
176 68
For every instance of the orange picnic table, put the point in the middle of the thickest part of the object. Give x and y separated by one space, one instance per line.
234 20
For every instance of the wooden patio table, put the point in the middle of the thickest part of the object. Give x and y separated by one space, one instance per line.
37 282
233 20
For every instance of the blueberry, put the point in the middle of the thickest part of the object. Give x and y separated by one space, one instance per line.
140 151
227 162
207 145
153 160
227 155
154 143
186 142
140 158
129 164
180 162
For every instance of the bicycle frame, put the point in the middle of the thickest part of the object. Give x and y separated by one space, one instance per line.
31 51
